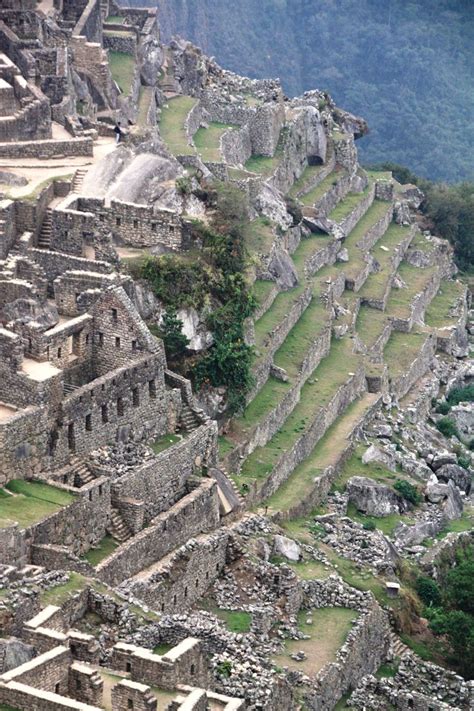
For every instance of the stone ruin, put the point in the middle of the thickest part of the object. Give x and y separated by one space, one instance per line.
126 540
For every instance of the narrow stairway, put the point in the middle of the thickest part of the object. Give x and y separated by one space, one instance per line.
398 647
78 180
117 528
82 473
44 239
188 419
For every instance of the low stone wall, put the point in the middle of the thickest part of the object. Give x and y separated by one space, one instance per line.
49 671
323 257
193 514
394 262
336 192
443 684
47 148
365 648
401 385
182 577
55 264
349 222
376 231
26 698
160 482
236 146
120 42
348 392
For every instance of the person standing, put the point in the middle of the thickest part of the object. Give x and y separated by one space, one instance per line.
118 133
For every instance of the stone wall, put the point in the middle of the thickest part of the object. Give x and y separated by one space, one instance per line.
394 262
125 42
48 671
7 227
401 385
193 514
236 146
353 387
182 577
20 696
160 482
82 146
341 186
55 264
349 222
376 231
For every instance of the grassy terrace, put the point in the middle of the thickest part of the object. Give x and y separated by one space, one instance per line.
165 442
401 350
376 283
266 165
28 502
316 193
344 208
143 104
259 236
327 633
107 546
373 470
330 374
356 256
306 178
416 279
207 141
122 67
326 452
370 324
261 289
173 117
439 313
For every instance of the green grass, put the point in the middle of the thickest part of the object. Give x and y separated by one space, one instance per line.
375 285
316 193
344 208
261 290
207 141
301 481
401 350
41 186
143 104
310 569
33 501
122 67
275 314
459 525
438 314
386 524
106 546
416 279
59 594
115 19
373 470
267 397
164 442
332 372
162 648
235 620
266 165
225 447
259 236
386 671
356 256
358 577
306 177
173 116
370 324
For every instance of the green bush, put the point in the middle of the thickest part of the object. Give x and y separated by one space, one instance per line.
443 407
429 591
224 668
464 394
408 491
171 332
471 445
369 526
447 427
464 462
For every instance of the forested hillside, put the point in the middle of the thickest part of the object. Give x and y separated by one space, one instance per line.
406 66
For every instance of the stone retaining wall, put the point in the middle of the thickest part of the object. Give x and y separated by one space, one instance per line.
376 231
349 222
236 146
120 42
302 448
48 148
193 514
401 385
394 262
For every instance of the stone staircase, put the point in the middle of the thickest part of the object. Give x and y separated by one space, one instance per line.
82 473
188 419
78 179
44 239
398 647
117 528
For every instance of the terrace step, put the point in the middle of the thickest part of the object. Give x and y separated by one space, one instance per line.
117 527
82 473
78 180
188 419
398 647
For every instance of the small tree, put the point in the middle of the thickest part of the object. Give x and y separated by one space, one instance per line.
407 491
428 591
173 337
447 426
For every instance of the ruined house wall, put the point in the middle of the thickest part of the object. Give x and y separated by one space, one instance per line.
7 227
193 514
46 671
162 481
56 263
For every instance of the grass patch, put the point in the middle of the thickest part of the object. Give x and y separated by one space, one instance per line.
162 648
373 470
328 632
143 105
207 141
122 67
358 577
259 236
59 594
440 313
262 289
33 501
310 569
235 620
386 524
172 119
344 208
306 179
225 446
267 397
370 324
106 546
416 279
164 442
316 193
115 19
401 350
266 165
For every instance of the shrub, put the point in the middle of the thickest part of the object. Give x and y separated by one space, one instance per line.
173 338
369 526
429 591
443 407
224 668
407 491
464 462
447 427
471 445
464 394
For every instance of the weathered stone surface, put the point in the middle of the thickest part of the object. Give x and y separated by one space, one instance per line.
195 329
460 476
286 547
372 498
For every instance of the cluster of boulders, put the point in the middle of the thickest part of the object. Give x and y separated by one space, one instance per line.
120 458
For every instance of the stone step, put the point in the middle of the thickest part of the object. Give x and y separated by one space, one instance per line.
117 528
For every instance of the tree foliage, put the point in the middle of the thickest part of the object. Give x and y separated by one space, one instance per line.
408 491
173 338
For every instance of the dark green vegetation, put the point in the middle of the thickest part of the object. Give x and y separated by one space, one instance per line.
450 610
449 210
212 275
405 67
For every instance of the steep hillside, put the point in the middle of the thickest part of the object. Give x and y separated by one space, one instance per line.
406 67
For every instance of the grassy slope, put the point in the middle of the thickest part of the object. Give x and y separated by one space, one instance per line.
173 116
